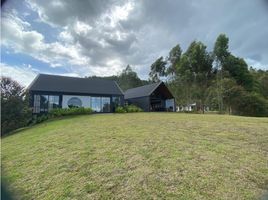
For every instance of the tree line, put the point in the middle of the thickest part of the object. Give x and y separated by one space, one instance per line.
216 79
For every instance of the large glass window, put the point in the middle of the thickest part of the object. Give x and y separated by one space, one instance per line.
105 104
53 102
36 104
44 103
116 102
101 104
74 102
96 104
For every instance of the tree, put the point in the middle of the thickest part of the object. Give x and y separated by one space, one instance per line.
174 59
200 62
221 47
14 108
158 69
184 79
10 88
251 104
129 79
220 54
263 84
260 78
238 69
126 79
229 92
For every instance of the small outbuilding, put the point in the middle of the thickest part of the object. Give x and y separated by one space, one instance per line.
152 97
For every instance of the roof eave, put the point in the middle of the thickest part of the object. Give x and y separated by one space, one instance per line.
32 83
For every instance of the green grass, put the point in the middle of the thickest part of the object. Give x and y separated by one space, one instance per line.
139 156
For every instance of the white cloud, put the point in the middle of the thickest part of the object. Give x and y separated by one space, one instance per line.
87 51
16 34
119 13
25 74
22 74
99 37
256 64
65 36
82 28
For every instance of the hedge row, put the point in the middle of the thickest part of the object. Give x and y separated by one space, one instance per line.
128 109
59 112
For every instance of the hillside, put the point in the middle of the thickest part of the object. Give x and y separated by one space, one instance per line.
139 156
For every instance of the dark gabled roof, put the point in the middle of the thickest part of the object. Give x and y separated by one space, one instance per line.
55 83
142 91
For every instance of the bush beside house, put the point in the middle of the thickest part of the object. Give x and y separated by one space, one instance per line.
60 112
128 109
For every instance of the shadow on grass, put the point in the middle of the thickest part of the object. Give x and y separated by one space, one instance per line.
7 193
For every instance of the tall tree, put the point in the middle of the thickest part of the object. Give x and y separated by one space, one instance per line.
174 59
238 69
221 48
201 66
129 79
221 54
184 79
158 69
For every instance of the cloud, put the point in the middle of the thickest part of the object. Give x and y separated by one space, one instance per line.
256 64
101 37
23 74
17 35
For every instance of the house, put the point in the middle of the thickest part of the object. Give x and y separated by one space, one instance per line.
51 91
152 97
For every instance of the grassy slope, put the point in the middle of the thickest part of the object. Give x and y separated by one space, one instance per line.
138 156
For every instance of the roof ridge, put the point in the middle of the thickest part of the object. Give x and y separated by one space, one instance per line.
144 86
157 85
31 84
75 77
118 87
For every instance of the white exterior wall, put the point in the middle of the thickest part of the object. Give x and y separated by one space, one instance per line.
170 102
189 107
85 100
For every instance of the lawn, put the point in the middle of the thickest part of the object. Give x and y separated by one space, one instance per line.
139 156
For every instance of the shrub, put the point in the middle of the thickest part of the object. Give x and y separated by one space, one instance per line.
58 112
128 108
120 109
133 108
42 118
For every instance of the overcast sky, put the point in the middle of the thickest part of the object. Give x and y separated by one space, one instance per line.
100 37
